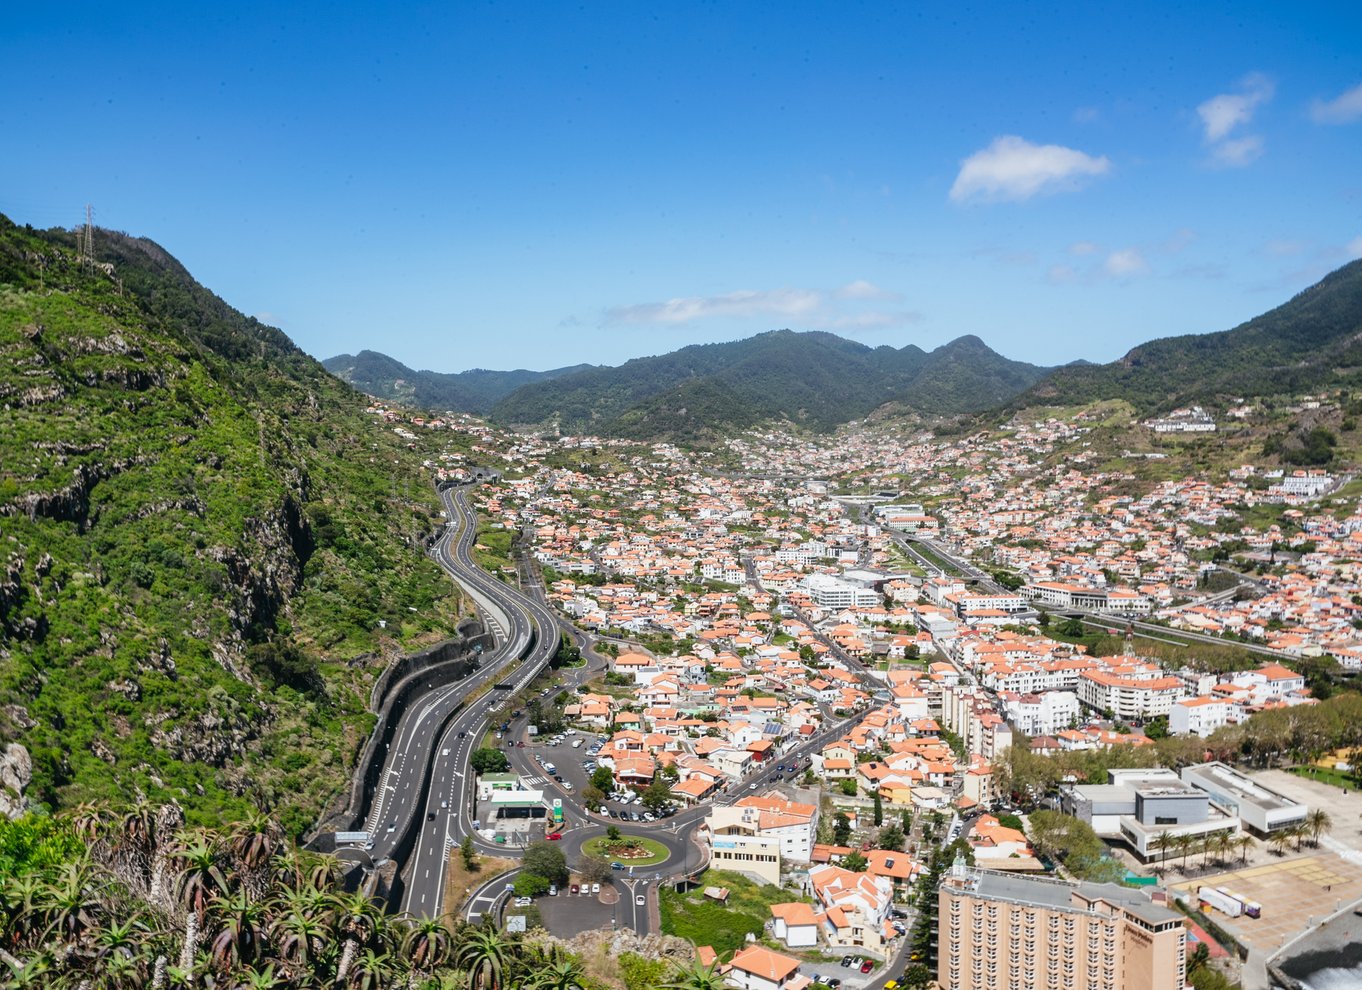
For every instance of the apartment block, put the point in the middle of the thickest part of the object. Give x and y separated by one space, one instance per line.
1026 933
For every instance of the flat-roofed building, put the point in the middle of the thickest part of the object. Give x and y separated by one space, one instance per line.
1258 808
1029 933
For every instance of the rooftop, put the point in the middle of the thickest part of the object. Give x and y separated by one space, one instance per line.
1047 893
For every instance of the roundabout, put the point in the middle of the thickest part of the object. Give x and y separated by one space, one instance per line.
630 850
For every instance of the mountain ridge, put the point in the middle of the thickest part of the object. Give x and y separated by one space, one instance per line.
1313 339
196 562
473 391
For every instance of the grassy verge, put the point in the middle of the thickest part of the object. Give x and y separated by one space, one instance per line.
1328 775
460 881
723 926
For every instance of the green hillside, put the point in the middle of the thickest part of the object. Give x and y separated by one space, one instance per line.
813 380
201 532
474 391
1313 341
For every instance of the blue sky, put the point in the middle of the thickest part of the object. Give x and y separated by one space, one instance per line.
533 185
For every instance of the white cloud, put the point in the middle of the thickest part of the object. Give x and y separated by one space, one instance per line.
1283 249
861 289
1354 248
1342 109
1222 114
872 321
1125 263
844 308
1012 168
1062 274
1083 248
773 302
1237 153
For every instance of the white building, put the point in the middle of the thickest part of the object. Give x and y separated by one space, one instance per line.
833 593
1129 698
1041 714
1201 716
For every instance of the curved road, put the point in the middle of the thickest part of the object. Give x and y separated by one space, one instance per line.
427 773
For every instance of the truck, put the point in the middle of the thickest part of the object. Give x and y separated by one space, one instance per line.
1251 908
1229 904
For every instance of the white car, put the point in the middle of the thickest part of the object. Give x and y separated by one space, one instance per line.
640 900
595 888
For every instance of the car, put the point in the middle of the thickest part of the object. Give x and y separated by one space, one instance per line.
553 890
892 985
567 786
648 816
524 901
752 786
554 836
834 983
574 888
616 866
634 816
640 900
595 888
477 824
463 735
867 966
558 777
846 961
816 977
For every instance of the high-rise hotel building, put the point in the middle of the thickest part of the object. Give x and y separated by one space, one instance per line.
998 930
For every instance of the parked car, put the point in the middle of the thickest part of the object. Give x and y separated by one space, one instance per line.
867 966
595 888
553 890
573 888
554 836
846 961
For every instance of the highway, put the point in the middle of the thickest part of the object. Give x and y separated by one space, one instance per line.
436 735
530 632
427 778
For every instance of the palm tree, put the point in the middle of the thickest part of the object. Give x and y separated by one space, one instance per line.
1184 843
1279 841
696 977
1162 843
1318 823
1245 843
1224 842
485 955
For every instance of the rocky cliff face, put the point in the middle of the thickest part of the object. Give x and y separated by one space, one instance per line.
16 772
172 622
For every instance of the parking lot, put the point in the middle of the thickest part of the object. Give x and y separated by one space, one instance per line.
1296 892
